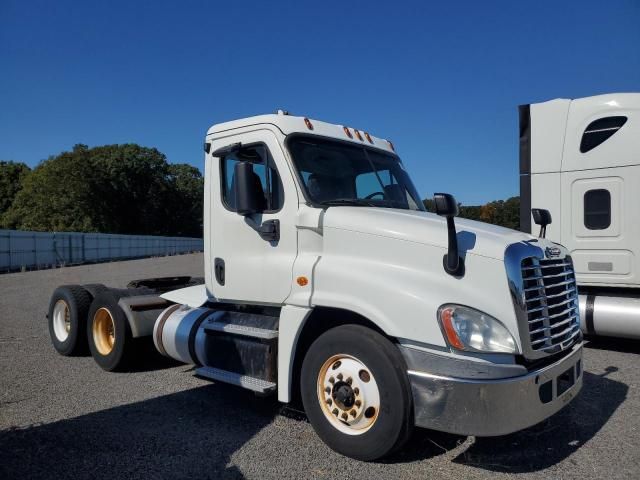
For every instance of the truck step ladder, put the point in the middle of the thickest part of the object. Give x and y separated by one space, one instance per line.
242 330
257 385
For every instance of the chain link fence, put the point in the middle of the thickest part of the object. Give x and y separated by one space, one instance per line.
21 251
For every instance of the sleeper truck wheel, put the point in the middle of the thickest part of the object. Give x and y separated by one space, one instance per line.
67 319
356 392
108 333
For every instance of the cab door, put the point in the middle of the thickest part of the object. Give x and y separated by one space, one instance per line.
247 266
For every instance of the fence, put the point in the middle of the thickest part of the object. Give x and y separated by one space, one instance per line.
35 250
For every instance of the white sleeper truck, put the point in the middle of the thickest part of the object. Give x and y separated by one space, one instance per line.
580 160
326 281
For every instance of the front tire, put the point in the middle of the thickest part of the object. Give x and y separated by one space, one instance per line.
109 334
356 393
67 319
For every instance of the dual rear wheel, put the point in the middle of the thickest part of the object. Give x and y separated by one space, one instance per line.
80 323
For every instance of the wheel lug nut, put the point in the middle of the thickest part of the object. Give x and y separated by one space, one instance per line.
329 401
356 391
345 416
328 389
339 376
335 412
331 380
353 413
358 403
349 381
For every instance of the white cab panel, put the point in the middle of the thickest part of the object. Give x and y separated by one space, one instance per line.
607 254
387 266
549 120
623 148
255 270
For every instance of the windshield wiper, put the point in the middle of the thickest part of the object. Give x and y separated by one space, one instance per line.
359 202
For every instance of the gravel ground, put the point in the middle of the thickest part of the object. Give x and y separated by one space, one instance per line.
64 417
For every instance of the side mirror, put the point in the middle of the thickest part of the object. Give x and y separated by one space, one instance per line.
541 217
249 194
446 206
222 151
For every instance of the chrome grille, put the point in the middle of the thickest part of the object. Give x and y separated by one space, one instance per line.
551 300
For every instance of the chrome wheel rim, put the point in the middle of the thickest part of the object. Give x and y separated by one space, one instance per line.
61 320
348 394
104 331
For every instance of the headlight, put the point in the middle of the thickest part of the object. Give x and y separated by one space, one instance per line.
472 330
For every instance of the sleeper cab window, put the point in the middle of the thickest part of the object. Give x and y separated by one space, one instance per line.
597 209
264 170
598 131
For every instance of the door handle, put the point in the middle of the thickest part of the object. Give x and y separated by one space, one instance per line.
218 268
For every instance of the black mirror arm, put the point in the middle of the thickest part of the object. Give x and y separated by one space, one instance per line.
453 263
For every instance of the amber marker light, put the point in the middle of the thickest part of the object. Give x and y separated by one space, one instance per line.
368 137
308 123
446 317
302 281
348 132
358 135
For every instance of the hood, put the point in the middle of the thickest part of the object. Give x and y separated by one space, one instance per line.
474 238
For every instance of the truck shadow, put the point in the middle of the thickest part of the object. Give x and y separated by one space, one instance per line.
556 438
191 434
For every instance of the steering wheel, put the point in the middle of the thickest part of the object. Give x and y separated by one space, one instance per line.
371 195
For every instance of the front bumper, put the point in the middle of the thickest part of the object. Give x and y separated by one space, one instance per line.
490 407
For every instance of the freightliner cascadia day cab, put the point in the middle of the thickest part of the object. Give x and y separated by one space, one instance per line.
327 282
580 160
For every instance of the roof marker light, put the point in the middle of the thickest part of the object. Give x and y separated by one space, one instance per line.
348 132
358 135
307 122
368 137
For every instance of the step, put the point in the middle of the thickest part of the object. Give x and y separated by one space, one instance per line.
235 329
250 383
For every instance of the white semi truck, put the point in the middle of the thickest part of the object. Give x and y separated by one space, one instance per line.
326 280
580 160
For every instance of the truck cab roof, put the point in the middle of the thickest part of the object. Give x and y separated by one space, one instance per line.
290 124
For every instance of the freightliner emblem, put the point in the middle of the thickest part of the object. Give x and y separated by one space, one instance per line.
552 252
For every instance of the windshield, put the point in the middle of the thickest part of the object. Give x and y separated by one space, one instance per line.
341 173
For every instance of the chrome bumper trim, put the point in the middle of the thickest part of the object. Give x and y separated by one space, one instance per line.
491 407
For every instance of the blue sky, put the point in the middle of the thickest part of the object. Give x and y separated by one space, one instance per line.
442 80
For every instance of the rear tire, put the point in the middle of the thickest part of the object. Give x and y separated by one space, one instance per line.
67 319
109 334
356 392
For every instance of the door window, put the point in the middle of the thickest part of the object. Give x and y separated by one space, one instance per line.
597 209
265 171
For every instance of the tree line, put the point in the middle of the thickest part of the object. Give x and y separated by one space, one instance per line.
131 189
505 213
126 189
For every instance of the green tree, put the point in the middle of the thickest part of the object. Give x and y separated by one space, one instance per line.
112 189
187 186
12 177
